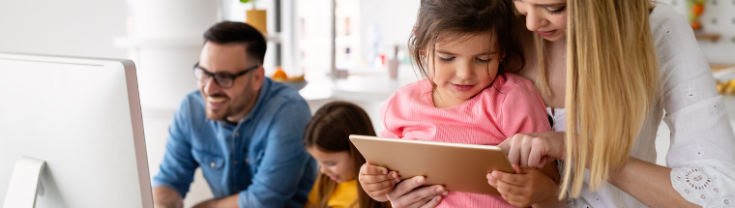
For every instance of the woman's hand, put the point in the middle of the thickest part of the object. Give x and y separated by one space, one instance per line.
534 150
407 194
525 188
382 185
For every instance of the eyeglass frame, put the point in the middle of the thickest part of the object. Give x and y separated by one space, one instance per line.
225 74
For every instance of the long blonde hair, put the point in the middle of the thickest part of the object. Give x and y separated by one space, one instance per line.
612 80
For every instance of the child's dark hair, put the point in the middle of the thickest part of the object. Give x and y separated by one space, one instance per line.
329 131
436 18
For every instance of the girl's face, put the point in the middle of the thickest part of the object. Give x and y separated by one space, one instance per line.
463 65
548 18
339 166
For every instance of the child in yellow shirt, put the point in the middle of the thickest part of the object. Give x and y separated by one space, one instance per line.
326 138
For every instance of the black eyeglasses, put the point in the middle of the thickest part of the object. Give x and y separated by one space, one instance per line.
222 79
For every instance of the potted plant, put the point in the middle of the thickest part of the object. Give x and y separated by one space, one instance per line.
256 17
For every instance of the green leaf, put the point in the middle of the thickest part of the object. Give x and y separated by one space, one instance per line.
244 1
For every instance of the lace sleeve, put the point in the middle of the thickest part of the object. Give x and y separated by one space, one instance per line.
705 185
702 140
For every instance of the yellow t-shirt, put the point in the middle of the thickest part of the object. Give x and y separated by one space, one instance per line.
344 196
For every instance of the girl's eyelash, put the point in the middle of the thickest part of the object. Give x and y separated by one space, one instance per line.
558 11
483 61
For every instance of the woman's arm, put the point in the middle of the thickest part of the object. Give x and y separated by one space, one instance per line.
700 158
649 183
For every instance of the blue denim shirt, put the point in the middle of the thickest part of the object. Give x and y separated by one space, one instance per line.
262 157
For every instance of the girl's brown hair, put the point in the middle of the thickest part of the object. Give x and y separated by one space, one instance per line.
329 131
439 18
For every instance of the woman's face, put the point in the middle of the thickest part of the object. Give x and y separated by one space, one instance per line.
548 18
339 166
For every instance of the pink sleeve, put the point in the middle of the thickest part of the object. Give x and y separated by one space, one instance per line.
523 111
386 115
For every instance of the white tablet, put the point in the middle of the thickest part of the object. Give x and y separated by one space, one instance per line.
459 167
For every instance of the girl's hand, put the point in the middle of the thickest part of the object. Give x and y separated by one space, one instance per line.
528 187
534 150
377 181
381 185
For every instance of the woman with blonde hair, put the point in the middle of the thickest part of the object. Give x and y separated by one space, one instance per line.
608 70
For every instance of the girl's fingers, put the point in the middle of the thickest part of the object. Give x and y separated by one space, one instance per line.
394 175
369 179
509 178
379 192
369 169
490 179
507 189
372 187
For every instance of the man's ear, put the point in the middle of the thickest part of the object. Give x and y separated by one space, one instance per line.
259 77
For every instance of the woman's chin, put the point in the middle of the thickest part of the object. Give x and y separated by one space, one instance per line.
555 38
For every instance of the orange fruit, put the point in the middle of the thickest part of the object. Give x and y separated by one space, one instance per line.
698 9
696 25
280 74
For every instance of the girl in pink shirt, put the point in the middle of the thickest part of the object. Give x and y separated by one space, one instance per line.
465 50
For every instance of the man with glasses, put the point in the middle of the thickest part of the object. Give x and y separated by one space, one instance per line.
243 129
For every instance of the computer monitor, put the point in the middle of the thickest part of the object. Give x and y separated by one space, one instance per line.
82 117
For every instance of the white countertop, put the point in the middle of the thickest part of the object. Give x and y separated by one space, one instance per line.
362 85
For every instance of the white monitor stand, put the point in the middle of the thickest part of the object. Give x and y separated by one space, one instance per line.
25 183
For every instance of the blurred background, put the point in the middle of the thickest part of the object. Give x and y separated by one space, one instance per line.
352 50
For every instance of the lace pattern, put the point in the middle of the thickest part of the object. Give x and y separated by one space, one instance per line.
701 185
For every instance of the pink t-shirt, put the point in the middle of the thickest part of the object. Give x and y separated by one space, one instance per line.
510 105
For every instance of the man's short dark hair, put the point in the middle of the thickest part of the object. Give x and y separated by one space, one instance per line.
239 33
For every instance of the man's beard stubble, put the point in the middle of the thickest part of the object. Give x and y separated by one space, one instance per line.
236 106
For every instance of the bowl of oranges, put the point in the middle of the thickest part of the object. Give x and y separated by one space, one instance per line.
297 83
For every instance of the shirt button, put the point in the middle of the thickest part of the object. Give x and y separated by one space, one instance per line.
212 164
237 133
235 162
247 160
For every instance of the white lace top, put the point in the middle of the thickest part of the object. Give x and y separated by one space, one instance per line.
702 140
